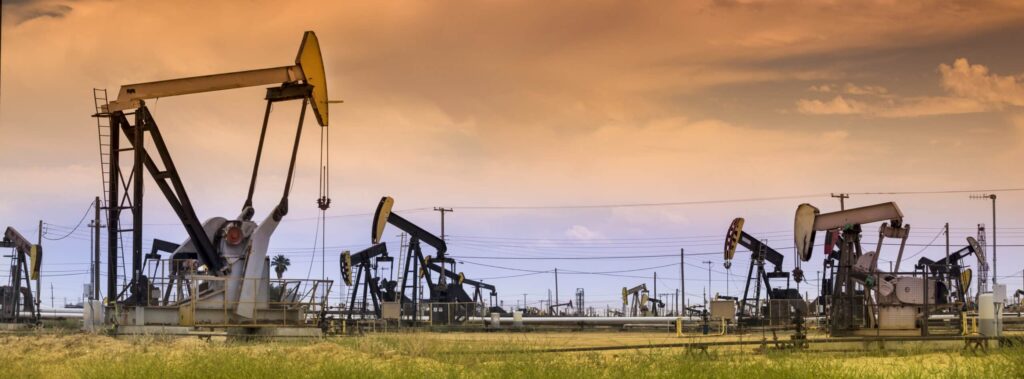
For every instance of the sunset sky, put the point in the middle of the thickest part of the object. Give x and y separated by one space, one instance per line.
511 111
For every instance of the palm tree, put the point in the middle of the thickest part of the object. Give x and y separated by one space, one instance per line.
280 264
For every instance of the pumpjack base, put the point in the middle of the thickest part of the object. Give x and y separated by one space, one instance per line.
186 316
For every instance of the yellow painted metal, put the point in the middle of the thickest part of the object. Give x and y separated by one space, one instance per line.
679 326
186 314
625 296
732 238
965 279
35 261
346 259
423 270
308 68
380 218
312 64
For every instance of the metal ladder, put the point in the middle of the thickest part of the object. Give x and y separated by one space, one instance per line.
100 102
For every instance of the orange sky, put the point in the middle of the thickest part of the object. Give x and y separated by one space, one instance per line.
539 103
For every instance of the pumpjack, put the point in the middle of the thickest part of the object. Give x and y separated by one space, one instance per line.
951 269
16 301
857 294
750 307
634 300
223 264
554 309
448 299
358 273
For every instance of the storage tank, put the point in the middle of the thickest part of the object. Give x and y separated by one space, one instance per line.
986 315
495 319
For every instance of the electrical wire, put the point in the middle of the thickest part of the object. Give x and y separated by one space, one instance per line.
80 221
936 192
636 205
583 258
926 246
718 201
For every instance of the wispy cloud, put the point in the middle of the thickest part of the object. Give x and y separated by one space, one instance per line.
969 89
21 11
581 232
838 105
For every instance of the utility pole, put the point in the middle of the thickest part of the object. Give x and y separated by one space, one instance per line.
994 243
39 291
92 262
821 285
841 197
947 256
677 303
524 303
96 252
682 280
709 282
655 284
443 210
556 286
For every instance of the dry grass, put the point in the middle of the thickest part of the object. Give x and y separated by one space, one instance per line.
457 355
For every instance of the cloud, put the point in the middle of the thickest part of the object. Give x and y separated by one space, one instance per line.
823 88
969 89
21 11
854 89
849 89
973 81
581 232
930 106
837 106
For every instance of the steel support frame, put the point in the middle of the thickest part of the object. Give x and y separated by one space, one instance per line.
167 180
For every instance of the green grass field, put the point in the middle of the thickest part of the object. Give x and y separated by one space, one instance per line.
467 355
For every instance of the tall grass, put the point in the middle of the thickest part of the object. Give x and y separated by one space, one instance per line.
429 356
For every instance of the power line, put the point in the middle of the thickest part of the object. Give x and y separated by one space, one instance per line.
636 205
937 192
84 215
582 258
720 201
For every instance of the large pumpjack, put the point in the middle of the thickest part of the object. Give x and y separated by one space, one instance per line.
858 296
221 271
